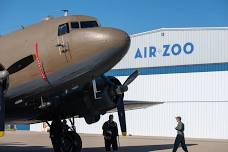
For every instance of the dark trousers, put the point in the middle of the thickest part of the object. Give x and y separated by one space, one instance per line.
109 143
180 140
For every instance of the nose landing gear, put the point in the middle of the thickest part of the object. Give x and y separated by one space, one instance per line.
64 138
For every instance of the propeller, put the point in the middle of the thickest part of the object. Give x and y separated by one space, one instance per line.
131 78
123 88
120 103
17 66
21 64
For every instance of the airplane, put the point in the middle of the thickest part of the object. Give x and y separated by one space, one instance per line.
55 70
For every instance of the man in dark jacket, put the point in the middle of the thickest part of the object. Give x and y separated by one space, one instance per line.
110 133
180 136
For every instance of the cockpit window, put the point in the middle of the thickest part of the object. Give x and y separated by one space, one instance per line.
88 24
63 29
74 25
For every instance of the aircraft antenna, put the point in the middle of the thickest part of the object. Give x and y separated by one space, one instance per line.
65 12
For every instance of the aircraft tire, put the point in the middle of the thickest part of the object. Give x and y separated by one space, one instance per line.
71 142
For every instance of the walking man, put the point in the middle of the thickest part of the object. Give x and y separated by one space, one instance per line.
110 133
180 136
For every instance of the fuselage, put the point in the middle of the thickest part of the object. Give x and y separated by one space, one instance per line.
69 51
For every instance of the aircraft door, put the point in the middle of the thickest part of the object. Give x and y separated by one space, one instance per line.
63 41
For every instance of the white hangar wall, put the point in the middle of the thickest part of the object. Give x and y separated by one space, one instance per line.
188 64
202 120
188 71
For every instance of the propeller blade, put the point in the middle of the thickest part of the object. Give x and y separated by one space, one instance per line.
2 112
21 64
131 78
121 114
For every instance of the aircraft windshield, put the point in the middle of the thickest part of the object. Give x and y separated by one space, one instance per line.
74 25
88 24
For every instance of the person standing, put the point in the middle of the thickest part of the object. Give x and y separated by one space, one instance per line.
110 133
180 139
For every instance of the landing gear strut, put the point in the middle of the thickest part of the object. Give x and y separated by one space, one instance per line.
64 138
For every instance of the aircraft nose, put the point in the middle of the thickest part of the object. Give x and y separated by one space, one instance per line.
110 41
116 40
105 46
101 41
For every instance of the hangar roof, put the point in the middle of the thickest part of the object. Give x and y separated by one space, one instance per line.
180 29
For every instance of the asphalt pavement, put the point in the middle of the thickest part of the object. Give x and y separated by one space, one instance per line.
19 141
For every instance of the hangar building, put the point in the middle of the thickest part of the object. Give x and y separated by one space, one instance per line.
186 69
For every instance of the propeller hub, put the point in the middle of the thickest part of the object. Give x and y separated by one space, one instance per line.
121 89
4 74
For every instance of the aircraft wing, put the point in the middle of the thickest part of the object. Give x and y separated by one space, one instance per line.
133 104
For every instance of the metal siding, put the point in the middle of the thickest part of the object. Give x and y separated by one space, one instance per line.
205 86
202 120
36 127
210 46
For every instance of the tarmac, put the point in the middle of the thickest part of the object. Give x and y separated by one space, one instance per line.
25 141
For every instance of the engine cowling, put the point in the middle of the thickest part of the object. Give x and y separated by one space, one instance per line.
106 98
91 100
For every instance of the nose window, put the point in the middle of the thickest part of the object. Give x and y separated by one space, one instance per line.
63 29
74 25
88 24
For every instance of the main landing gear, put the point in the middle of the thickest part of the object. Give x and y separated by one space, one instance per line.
63 137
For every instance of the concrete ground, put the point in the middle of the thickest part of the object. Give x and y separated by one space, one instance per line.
39 142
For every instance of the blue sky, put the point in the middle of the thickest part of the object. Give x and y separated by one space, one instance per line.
133 16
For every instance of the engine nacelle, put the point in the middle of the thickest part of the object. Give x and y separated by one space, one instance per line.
82 102
105 98
101 98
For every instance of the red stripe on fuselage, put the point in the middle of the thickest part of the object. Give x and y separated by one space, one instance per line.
39 65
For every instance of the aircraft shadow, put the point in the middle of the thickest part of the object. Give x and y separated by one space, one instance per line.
144 148
18 147
24 148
